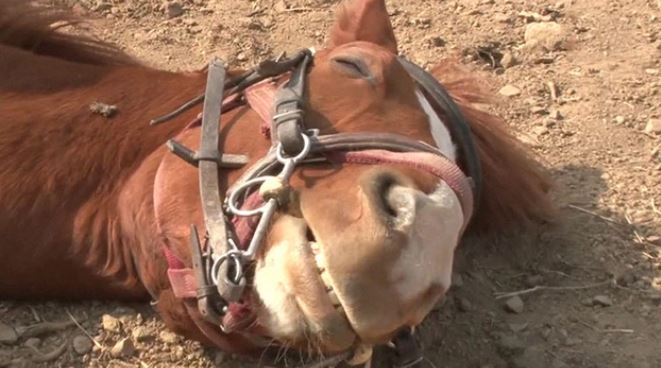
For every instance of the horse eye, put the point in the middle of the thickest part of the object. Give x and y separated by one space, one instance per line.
354 67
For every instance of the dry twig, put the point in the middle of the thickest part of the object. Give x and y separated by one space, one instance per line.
581 209
42 328
80 327
503 295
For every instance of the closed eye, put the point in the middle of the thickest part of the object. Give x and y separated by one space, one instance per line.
352 66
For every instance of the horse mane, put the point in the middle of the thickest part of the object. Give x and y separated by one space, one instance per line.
36 26
516 185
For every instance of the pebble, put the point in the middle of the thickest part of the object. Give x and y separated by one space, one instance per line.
110 323
82 344
518 327
457 280
464 305
555 114
547 35
140 334
174 9
619 119
33 342
602 301
510 91
508 60
509 345
653 126
514 305
241 57
7 334
540 130
123 348
168 337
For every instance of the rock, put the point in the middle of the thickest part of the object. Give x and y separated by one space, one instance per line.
549 36
82 344
464 305
123 348
8 334
534 280
241 57
168 337
510 91
457 280
141 334
619 119
653 126
509 345
174 9
651 71
540 130
436 41
514 305
508 60
33 342
555 114
110 323
518 327
602 301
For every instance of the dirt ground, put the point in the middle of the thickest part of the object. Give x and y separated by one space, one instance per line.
587 99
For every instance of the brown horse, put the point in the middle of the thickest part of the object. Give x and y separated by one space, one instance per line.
89 201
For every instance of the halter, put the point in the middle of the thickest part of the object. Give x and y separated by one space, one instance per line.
222 255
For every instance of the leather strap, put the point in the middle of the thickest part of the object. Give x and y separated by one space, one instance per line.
289 110
460 129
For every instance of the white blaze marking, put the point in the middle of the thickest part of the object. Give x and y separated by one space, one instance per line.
439 131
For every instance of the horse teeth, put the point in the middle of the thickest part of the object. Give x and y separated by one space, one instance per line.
315 247
319 260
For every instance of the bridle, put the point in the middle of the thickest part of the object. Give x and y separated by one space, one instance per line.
220 257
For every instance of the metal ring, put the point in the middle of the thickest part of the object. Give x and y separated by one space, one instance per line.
236 256
232 202
280 155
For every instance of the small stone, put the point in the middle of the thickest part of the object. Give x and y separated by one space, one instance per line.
174 9
8 334
168 337
538 110
464 305
651 71
82 344
33 342
518 327
123 348
555 114
110 323
540 130
549 36
508 60
514 305
653 126
534 280
241 57
457 280
602 301
511 345
619 119
140 334
510 91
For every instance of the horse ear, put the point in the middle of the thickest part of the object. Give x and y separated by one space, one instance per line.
363 20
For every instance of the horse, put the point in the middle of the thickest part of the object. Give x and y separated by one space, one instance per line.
371 183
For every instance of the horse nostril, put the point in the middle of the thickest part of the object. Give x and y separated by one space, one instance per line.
392 196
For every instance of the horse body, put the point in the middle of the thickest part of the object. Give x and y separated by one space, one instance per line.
89 202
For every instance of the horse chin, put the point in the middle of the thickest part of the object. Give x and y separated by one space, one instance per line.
298 306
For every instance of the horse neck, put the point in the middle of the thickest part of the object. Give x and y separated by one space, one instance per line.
79 165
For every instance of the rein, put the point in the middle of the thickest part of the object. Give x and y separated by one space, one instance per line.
235 227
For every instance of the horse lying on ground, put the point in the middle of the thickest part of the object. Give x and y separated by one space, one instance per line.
321 210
